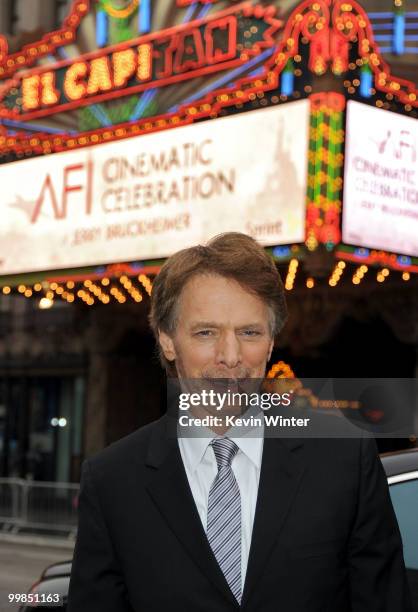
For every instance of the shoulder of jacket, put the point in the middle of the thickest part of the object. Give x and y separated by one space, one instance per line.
129 448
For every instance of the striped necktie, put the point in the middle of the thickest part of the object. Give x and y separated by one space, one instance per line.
224 515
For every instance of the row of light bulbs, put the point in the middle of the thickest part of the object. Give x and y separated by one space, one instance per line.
381 275
90 292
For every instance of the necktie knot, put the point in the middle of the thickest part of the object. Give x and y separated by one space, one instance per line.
225 450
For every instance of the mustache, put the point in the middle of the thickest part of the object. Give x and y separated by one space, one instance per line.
222 373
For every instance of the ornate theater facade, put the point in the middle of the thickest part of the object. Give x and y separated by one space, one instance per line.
135 128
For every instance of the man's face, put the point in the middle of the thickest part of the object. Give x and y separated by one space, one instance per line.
222 331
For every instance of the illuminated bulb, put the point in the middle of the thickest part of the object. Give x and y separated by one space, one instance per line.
49 295
28 293
405 276
87 283
6 290
310 283
37 287
21 288
341 265
45 303
385 272
54 286
380 278
105 282
332 282
70 285
356 280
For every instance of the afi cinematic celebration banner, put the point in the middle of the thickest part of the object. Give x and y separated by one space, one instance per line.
148 196
381 180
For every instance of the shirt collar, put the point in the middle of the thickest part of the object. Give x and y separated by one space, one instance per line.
195 448
251 447
250 443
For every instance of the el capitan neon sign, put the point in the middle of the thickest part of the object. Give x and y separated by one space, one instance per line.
198 48
328 27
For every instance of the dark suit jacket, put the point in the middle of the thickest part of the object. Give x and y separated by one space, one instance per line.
325 537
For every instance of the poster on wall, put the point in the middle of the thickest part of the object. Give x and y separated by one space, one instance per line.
381 180
148 196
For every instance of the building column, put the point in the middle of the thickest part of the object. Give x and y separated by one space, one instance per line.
96 404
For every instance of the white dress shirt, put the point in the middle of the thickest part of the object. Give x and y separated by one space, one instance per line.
201 469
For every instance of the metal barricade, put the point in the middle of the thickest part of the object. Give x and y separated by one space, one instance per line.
45 506
10 501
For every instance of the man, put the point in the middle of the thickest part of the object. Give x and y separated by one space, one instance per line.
201 524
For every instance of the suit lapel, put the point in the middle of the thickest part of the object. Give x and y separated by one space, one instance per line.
170 491
281 473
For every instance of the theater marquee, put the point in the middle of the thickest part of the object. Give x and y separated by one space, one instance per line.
148 196
105 90
201 47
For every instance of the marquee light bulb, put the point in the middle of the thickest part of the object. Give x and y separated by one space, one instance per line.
45 303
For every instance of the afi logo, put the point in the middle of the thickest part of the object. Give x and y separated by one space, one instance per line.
58 199
402 145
